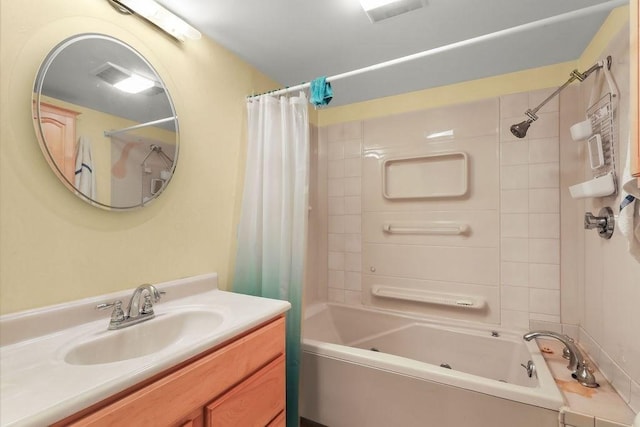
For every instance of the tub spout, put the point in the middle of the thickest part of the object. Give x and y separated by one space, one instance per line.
574 353
577 363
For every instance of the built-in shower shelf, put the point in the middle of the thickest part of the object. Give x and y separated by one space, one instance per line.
417 295
428 176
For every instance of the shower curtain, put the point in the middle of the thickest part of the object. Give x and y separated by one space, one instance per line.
273 223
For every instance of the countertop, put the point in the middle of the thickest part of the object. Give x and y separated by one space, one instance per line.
38 387
602 403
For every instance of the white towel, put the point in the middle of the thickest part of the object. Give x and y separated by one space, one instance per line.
85 180
629 217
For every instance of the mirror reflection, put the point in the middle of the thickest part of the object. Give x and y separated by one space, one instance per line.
105 122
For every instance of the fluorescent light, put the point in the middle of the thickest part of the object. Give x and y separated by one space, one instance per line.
163 18
134 84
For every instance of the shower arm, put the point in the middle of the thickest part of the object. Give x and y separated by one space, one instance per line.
574 75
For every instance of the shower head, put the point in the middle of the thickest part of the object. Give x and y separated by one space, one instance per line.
520 129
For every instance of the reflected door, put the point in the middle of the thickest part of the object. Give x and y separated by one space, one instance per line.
59 130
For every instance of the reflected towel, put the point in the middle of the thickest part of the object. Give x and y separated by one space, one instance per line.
629 217
85 180
321 92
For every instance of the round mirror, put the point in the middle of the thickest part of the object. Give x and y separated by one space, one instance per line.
105 122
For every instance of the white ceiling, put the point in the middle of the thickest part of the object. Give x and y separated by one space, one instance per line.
294 41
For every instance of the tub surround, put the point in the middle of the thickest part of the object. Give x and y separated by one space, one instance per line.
39 387
551 273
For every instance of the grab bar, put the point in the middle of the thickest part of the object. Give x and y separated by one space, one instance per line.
417 295
435 229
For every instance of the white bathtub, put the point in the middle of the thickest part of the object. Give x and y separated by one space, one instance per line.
363 367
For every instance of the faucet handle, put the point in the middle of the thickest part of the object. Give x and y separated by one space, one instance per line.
154 292
153 296
592 221
604 222
584 375
118 314
147 307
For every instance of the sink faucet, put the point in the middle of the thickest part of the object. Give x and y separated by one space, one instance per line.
578 365
137 311
153 295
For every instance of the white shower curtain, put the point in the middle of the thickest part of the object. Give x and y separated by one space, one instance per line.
273 223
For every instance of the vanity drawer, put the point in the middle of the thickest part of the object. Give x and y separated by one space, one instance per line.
254 402
175 395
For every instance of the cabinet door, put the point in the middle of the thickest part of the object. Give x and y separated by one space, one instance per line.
253 403
194 420
279 421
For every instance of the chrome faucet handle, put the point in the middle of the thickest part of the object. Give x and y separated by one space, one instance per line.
592 221
154 295
147 307
604 222
117 315
584 375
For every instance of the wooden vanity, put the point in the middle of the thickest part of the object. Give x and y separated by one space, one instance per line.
240 383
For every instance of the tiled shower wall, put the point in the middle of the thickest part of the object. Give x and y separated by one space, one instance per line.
344 241
529 212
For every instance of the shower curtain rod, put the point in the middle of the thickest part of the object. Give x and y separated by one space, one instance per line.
608 5
108 133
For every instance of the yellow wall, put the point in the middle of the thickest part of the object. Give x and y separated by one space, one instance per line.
53 246
56 248
521 81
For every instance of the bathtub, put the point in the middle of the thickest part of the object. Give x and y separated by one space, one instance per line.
365 367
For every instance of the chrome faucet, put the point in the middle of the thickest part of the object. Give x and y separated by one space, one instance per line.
142 309
578 365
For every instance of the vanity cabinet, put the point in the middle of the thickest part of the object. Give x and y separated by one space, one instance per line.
241 383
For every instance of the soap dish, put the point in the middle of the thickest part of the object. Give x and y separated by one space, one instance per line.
601 186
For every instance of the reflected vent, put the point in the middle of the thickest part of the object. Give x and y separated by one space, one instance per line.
113 74
378 10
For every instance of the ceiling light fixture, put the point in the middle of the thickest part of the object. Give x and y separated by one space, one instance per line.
127 80
159 16
134 84
377 10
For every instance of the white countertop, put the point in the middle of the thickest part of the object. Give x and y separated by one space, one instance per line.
38 387
602 402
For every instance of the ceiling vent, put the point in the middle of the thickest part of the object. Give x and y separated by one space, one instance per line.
113 74
378 10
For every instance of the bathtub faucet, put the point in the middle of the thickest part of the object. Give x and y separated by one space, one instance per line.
578 365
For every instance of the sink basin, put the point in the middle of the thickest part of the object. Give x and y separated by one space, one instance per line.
143 339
